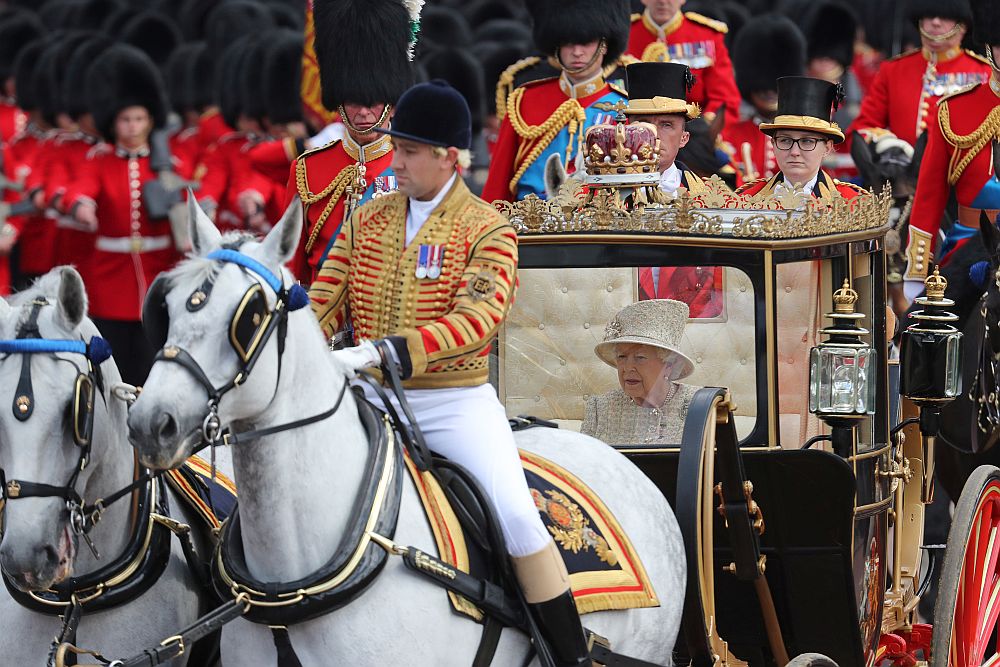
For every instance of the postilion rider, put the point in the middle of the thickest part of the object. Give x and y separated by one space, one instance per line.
803 134
961 155
432 269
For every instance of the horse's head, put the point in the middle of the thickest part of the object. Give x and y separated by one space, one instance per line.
218 315
990 281
884 158
51 359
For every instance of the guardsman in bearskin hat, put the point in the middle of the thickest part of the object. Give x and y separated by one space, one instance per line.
551 116
431 271
960 157
662 32
363 48
903 97
127 98
18 30
803 134
768 48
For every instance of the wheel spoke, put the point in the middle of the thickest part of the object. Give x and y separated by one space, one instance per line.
991 610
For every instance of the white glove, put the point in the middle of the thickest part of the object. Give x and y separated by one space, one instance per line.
912 289
359 357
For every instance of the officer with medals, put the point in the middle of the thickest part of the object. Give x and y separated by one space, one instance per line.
362 49
431 269
803 134
662 32
907 88
550 117
959 157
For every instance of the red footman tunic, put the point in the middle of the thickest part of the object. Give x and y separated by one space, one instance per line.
907 88
698 42
130 249
321 177
959 155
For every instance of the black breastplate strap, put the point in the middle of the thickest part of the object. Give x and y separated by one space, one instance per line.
122 580
352 568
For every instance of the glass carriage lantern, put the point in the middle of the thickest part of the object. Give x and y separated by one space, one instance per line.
930 359
841 386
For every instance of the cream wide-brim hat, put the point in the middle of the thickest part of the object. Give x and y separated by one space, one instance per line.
658 323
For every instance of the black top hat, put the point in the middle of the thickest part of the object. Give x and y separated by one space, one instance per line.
805 103
660 88
432 113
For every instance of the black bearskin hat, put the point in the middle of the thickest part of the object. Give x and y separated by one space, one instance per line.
283 77
92 14
769 47
441 27
561 22
285 15
986 22
123 76
192 18
26 74
16 32
253 103
830 27
153 33
229 78
503 32
957 10
51 71
116 20
460 69
74 90
232 20
362 49
175 74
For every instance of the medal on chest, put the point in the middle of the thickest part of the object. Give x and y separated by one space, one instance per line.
430 259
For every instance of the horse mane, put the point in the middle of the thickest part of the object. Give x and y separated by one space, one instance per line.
196 269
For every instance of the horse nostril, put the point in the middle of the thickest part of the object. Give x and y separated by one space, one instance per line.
166 427
50 553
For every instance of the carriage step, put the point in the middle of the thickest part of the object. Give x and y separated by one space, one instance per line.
603 656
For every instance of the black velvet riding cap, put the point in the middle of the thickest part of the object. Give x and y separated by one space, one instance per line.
660 88
805 103
432 113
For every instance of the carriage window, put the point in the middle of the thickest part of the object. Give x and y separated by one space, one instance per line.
549 368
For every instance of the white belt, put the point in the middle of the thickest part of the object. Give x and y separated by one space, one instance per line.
133 244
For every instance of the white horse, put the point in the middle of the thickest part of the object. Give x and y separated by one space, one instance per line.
39 548
297 488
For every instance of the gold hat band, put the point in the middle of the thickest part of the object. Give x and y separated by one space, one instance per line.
663 105
809 123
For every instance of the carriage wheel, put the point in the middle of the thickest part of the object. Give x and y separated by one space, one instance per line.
968 603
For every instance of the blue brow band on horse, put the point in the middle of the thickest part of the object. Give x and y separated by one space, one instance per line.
97 351
247 262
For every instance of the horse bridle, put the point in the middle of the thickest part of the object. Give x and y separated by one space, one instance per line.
250 329
985 390
30 342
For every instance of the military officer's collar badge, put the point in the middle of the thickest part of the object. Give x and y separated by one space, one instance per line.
430 259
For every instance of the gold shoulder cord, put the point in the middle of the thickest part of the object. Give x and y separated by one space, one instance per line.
506 83
569 113
335 190
975 142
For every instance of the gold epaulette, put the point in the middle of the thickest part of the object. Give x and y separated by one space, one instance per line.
318 149
904 54
717 26
636 17
972 143
979 57
505 85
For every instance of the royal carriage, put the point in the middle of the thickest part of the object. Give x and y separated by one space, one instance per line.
800 477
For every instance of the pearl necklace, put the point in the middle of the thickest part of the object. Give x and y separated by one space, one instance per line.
653 433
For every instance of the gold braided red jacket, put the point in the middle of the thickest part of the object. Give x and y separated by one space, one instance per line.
447 323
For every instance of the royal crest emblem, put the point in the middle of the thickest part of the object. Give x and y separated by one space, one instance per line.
569 527
482 286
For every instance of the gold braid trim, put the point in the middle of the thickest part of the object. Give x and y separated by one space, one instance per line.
506 82
335 190
569 113
975 142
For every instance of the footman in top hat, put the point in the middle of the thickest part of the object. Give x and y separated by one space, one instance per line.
803 135
550 117
960 157
431 269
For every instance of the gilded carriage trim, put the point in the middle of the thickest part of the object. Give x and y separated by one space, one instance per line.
714 212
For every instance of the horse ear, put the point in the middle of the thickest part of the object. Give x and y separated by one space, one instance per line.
861 151
4 308
282 241
205 236
991 237
71 306
555 175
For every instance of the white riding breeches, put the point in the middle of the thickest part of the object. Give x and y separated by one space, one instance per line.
469 426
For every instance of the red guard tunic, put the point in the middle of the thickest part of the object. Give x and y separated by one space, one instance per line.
227 173
211 128
825 186
130 249
329 171
959 155
698 42
751 151
907 89
74 243
38 231
12 121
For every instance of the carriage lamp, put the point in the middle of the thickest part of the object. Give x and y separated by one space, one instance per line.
841 387
930 359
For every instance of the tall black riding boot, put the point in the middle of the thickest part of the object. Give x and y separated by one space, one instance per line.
545 583
560 624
